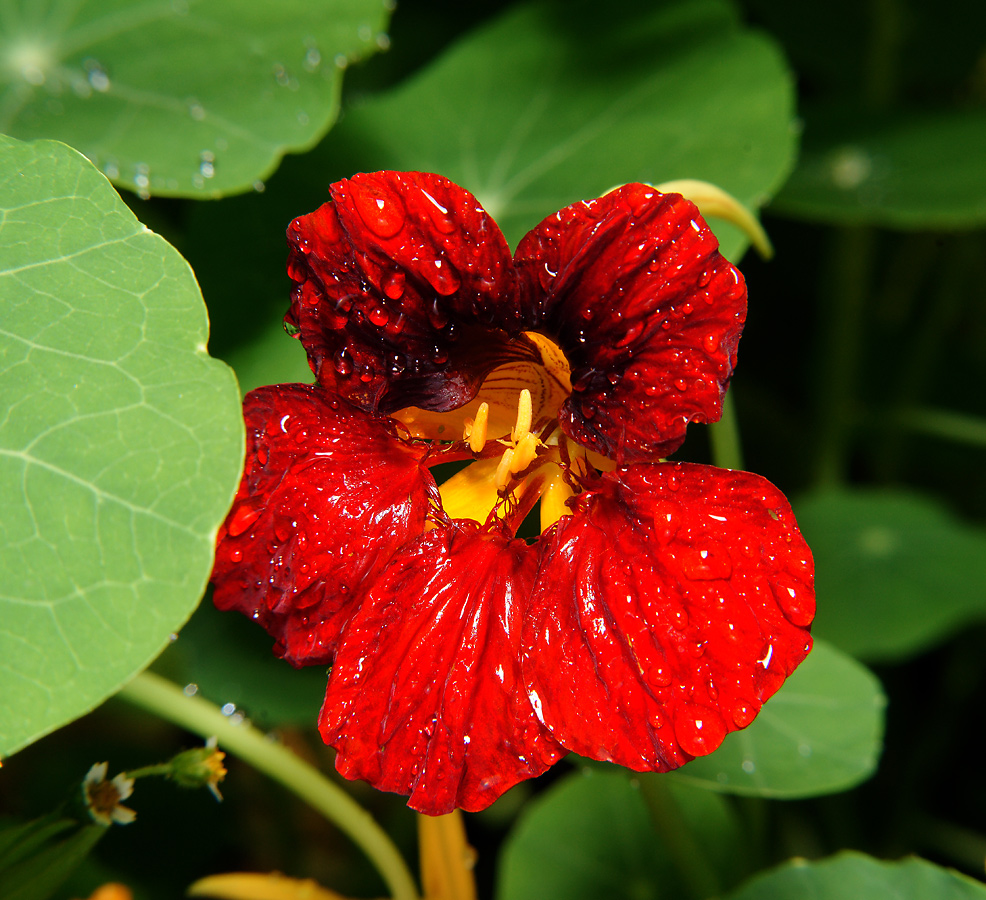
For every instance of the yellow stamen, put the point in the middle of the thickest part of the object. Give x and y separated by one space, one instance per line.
525 415
477 430
553 505
524 453
502 476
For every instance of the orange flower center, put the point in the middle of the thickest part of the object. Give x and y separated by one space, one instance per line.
510 428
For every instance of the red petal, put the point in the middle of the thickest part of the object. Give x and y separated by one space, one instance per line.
668 608
649 314
329 493
404 291
425 697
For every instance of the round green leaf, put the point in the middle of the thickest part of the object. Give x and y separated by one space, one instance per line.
909 171
588 836
181 97
851 874
895 573
552 103
822 732
121 441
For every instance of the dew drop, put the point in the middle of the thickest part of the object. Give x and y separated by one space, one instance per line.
378 316
236 555
343 363
437 313
681 384
207 164
98 79
656 719
705 278
244 516
383 214
711 343
659 676
699 730
442 277
797 604
393 285
745 712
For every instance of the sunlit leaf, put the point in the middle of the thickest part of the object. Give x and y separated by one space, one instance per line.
120 441
181 97
852 874
821 732
895 573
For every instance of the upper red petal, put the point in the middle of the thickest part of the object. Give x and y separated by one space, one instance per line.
404 291
328 494
667 609
425 697
633 288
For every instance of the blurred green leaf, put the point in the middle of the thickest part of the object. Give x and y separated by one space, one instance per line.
546 105
229 660
181 97
822 732
120 444
552 103
38 856
895 573
911 170
589 836
851 874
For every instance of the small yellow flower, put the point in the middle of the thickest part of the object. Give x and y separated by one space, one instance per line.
102 797
200 767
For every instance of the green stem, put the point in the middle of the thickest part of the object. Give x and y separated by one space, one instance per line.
165 699
841 348
941 423
697 874
727 453
145 771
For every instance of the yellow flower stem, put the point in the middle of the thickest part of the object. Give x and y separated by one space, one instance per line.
167 700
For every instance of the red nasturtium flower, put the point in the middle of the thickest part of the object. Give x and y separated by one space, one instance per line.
662 603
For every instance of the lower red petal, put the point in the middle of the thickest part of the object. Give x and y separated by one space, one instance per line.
328 494
425 697
667 609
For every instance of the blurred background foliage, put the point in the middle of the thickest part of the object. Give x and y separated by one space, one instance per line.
859 128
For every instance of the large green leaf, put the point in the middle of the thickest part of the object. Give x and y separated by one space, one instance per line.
549 104
895 573
589 836
553 102
120 441
181 97
821 732
913 170
854 875
604 832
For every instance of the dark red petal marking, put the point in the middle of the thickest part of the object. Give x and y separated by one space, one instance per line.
649 314
425 697
404 292
328 494
667 609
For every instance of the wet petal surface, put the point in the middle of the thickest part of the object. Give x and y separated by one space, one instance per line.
404 292
648 313
667 609
328 494
425 697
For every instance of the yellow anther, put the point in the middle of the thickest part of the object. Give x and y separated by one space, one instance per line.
524 453
502 476
525 415
475 431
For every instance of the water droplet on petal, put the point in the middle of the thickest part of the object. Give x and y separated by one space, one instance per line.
711 343
797 604
699 730
383 214
378 316
442 277
393 285
242 518
745 712
659 676
343 363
